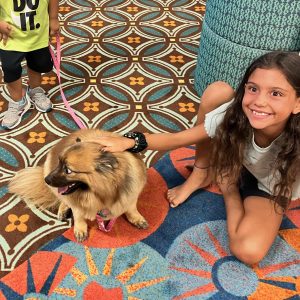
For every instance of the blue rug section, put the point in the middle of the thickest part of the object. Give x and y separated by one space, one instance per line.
287 224
200 207
221 296
168 172
52 245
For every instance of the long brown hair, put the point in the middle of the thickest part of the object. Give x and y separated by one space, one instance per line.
235 131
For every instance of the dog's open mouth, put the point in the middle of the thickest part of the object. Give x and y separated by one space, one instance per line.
71 188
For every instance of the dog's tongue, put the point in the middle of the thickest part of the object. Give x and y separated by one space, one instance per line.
62 189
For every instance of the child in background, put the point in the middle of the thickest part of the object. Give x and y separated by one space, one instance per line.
24 34
249 143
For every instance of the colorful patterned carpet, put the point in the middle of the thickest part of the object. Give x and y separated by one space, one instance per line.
129 65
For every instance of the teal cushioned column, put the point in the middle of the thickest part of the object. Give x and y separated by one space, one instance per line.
235 32
221 59
259 24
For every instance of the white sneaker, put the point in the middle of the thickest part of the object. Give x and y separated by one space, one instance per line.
15 111
39 98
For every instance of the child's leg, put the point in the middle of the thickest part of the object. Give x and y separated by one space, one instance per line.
35 78
252 225
19 104
216 94
15 89
12 70
36 93
38 62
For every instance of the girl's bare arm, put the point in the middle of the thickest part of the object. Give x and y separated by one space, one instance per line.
169 141
156 141
53 17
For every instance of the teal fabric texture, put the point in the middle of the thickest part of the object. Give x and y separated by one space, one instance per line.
220 59
235 32
259 24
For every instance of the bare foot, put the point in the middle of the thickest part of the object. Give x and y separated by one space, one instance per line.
199 178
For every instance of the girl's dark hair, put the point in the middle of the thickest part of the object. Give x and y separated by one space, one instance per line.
235 131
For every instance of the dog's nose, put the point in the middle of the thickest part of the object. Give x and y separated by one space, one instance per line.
48 179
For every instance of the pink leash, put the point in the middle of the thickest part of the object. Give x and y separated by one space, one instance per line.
56 61
101 223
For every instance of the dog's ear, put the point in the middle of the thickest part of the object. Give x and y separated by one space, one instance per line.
78 140
105 162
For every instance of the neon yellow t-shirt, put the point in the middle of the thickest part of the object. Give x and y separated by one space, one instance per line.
30 24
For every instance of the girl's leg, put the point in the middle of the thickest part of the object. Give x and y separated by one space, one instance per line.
11 66
15 89
37 94
16 108
35 78
216 94
38 62
12 69
252 225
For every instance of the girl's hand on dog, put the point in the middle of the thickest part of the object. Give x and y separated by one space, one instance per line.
113 144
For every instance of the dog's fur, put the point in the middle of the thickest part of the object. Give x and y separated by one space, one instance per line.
103 180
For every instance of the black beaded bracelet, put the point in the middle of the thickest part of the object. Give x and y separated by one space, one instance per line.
140 142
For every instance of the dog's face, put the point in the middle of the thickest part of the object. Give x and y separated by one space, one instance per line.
78 166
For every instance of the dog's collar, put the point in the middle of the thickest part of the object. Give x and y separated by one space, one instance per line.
103 212
102 225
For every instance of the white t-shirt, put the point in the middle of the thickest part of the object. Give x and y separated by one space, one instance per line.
259 161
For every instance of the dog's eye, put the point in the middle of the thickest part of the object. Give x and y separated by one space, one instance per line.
67 170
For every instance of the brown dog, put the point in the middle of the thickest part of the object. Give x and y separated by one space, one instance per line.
78 175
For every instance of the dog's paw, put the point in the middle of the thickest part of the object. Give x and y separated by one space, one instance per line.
64 212
80 236
63 215
136 219
141 224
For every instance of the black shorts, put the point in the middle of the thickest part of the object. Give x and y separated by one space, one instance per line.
38 60
248 186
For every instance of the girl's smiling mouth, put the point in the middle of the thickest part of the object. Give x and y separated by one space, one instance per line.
260 113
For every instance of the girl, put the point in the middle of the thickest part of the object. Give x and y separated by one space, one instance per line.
250 145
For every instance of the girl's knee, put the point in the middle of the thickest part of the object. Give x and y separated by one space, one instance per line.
216 94
247 251
219 85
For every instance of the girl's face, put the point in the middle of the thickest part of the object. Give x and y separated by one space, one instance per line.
268 102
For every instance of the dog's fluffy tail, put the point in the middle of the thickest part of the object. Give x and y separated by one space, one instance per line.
29 184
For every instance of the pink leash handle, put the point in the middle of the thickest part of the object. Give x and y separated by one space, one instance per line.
56 61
